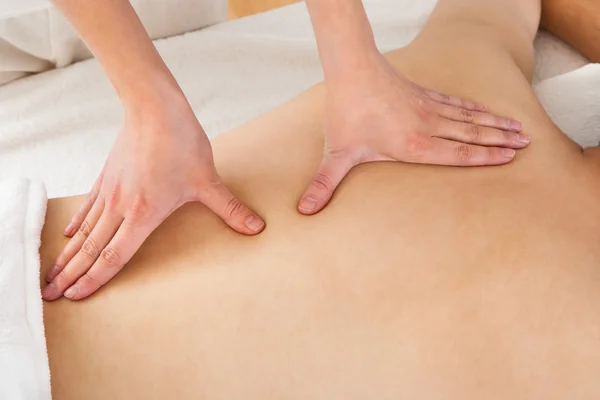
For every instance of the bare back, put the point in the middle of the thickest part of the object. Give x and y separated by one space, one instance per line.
441 283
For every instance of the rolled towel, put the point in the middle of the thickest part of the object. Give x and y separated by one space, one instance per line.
24 369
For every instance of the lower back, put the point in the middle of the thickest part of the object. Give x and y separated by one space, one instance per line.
441 283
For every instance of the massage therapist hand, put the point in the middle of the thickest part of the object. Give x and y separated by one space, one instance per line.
373 113
162 158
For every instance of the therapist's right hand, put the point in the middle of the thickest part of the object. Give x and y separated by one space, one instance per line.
161 160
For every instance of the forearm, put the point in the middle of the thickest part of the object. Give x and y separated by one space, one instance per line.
116 36
344 36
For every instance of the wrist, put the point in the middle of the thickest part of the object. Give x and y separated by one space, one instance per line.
354 68
153 95
156 106
344 36
147 86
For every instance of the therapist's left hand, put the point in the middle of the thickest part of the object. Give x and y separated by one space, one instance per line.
376 114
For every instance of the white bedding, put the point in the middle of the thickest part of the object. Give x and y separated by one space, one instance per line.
58 126
9 8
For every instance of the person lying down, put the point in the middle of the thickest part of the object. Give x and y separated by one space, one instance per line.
442 283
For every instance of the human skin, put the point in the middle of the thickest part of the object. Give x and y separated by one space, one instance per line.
374 113
162 158
443 283
577 22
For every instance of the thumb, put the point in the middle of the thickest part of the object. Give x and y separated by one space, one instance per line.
231 210
329 175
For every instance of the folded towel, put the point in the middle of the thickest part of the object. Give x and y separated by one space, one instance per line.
24 369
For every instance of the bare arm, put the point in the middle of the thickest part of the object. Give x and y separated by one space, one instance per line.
374 113
344 36
116 36
161 160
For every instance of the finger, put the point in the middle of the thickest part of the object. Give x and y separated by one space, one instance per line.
74 245
232 211
82 261
453 100
119 251
478 118
85 208
329 175
475 134
90 251
447 152
80 215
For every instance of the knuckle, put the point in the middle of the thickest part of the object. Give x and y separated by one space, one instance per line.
337 152
112 198
207 187
78 216
62 260
234 207
467 115
76 219
417 145
322 182
424 109
89 200
140 209
90 248
88 281
421 101
62 277
507 136
110 256
97 185
85 229
425 115
463 152
475 132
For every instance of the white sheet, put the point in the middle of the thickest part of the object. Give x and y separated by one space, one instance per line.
24 371
11 8
58 127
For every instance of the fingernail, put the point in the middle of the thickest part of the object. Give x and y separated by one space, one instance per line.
49 291
255 224
480 107
308 204
508 153
524 139
52 273
68 230
516 126
72 291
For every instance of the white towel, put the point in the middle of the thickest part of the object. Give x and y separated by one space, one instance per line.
59 126
24 369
